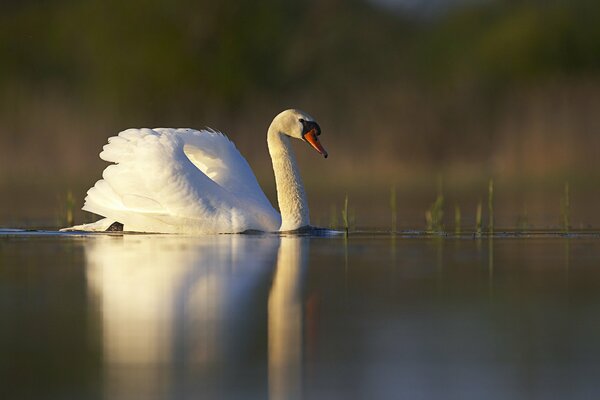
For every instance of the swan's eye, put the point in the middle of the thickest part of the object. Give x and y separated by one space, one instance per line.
302 121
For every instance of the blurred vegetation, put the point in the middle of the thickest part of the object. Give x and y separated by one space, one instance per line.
492 87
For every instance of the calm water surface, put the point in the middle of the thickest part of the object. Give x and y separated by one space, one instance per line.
257 317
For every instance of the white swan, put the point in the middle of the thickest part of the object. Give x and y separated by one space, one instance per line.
189 181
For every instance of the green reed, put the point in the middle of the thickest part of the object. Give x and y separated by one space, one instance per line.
457 219
491 206
565 209
394 208
434 216
345 218
478 219
69 207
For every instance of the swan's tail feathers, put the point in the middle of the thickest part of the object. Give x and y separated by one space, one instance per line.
100 197
135 212
99 226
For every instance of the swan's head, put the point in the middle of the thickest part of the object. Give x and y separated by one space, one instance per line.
300 125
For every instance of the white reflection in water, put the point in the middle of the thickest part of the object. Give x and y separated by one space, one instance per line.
285 320
191 315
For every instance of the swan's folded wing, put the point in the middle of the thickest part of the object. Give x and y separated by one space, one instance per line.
154 186
215 155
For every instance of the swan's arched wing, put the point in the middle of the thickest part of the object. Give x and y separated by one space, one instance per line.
218 158
154 186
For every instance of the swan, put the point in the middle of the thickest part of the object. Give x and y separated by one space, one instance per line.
168 180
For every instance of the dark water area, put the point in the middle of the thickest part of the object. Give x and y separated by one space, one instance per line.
126 316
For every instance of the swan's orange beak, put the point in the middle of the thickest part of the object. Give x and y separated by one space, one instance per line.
312 138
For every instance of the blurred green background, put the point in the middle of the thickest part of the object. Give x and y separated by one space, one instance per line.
425 95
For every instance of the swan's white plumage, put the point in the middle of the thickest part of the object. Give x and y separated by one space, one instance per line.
189 181
179 180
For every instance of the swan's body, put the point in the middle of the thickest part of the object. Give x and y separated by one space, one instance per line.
189 181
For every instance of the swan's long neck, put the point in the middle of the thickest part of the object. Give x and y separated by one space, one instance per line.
290 190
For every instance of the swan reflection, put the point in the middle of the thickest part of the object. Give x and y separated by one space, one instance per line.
221 315
286 320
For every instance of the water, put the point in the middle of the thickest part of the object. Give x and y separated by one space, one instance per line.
261 316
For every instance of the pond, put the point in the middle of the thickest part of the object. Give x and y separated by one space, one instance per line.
130 316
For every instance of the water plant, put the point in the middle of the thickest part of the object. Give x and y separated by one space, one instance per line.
565 209
345 215
457 219
69 207
478 219
434 216
394 208
491 206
